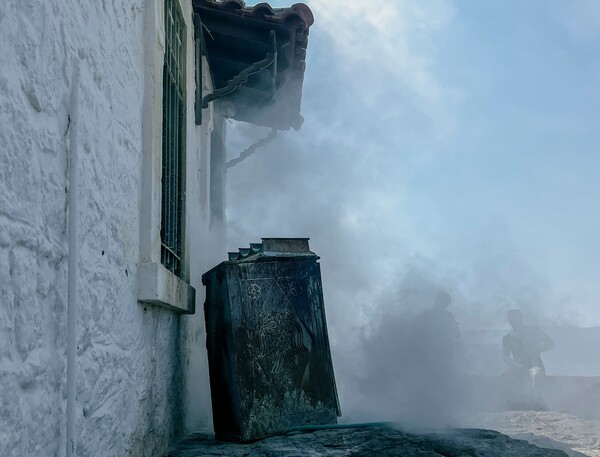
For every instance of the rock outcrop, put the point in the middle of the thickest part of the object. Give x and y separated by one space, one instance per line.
368 441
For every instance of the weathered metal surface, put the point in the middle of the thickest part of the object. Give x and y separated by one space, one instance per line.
268 348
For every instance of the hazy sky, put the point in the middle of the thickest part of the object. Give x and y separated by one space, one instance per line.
451 144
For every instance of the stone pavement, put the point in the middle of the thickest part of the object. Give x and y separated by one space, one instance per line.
368 440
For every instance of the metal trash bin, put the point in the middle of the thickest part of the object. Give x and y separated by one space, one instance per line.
268 349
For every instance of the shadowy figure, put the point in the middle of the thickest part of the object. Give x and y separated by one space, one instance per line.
437 341
410 372
441 330
521 349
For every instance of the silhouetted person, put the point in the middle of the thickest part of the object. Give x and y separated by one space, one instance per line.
441 326
522 348
435 346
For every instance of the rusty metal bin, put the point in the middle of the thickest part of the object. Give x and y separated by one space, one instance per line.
268 349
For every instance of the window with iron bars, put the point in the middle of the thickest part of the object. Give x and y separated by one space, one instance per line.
172 231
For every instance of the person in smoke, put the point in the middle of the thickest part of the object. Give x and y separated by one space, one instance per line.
521 349
442 328
436 345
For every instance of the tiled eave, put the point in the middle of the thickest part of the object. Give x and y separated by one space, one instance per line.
236 37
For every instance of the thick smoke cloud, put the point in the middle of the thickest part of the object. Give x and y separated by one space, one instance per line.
379 110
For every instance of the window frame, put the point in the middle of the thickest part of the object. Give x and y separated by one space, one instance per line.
173 157
157 285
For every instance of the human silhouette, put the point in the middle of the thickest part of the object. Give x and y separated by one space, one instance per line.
521 349
441 324
435 343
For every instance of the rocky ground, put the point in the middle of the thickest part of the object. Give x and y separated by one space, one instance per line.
543 428
369 441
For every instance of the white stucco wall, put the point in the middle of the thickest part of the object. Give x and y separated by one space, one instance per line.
141 369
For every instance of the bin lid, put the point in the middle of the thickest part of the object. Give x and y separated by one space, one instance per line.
269 249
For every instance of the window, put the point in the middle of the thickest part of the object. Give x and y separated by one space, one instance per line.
172 230
163 271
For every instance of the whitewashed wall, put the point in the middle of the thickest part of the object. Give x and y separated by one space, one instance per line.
141 370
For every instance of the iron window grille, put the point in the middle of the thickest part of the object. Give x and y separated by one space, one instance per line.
172 231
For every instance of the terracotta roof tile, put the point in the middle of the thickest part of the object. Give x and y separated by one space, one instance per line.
236 36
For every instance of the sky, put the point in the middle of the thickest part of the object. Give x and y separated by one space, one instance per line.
446 145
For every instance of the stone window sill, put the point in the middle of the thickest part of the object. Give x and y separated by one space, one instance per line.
160 287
